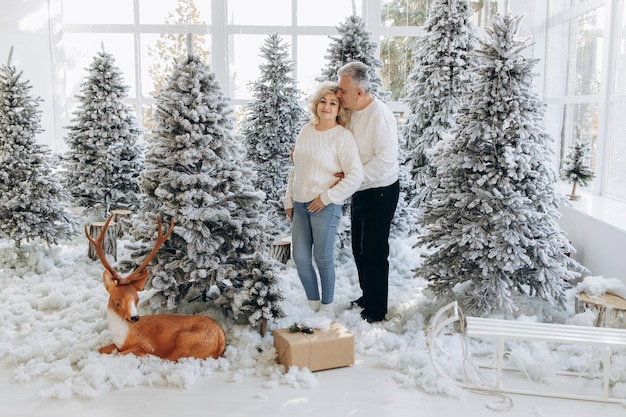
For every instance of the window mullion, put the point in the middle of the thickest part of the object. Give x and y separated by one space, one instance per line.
219 45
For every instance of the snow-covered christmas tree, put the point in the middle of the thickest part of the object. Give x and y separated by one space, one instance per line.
196 172
353 43
439 87
170 48
105 155
272 120
257 296
33 203
492 225
576 166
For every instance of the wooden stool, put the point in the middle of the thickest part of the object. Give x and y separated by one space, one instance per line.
117 215
110 240
281 249
610 308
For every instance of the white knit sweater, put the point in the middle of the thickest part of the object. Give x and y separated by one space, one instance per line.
376 134
317 156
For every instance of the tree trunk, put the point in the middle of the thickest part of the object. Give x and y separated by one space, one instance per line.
263 327
610 308
573 195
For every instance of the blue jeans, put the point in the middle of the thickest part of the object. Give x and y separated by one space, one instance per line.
314 234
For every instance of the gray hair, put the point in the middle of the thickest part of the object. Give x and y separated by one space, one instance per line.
359 74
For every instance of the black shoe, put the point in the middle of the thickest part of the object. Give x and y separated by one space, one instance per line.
359 302
369 319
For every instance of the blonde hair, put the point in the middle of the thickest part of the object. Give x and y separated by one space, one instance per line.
343 115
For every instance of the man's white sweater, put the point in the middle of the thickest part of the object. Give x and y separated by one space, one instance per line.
375 130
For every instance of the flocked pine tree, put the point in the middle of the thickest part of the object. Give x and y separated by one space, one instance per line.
105 155
439 87
272 120
353 43
576 166
258 297
33 204
197 174
405 221
492 224
170 48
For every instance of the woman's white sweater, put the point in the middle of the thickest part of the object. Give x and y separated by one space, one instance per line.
317 156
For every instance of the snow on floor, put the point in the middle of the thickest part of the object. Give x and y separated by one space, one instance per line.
52 321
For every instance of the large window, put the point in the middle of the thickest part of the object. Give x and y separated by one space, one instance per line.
616 147
585 89
147 37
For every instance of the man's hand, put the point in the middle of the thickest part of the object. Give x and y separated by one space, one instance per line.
289 213
339 176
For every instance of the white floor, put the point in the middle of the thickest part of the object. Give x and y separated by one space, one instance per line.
361 390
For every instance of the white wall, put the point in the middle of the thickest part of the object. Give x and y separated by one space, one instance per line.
596 226
24 26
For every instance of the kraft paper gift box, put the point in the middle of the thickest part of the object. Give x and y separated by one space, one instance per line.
323 349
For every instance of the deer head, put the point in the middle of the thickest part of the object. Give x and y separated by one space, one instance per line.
123 291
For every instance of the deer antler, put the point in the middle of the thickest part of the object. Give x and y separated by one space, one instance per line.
141 271
97 243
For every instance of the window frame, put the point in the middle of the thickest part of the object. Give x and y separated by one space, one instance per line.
606 99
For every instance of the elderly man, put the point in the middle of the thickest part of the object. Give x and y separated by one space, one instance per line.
373 205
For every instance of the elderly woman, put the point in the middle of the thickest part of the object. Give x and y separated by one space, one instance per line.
314 196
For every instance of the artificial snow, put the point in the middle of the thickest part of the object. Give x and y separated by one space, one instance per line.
596 286
53 320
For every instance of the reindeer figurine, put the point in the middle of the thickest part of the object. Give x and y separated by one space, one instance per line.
168 336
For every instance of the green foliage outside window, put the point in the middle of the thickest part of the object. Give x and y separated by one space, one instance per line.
172 48
396 53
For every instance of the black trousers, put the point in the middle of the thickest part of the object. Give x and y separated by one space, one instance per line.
371 215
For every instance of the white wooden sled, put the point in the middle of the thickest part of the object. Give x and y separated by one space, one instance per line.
605 350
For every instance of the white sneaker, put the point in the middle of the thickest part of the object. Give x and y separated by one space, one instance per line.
314 304
326 310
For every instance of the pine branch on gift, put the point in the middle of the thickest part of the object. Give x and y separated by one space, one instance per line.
33 204
492 223
105 155
271 123
196 172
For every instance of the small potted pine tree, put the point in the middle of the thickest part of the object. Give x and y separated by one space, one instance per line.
576 166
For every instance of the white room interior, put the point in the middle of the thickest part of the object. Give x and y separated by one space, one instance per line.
595 224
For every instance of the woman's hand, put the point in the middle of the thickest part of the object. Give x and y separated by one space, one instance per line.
289 213
316 205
